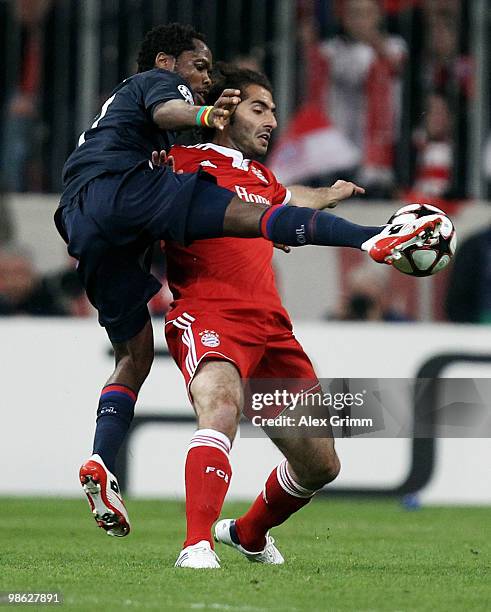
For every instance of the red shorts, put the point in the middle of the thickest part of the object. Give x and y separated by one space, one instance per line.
261 346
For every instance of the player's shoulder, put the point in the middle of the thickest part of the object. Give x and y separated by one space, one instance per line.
208 153
156 75
190 157
164 78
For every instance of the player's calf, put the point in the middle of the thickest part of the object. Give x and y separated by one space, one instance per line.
316 474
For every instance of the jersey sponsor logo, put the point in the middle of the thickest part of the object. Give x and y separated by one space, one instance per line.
209 338
250 197
186 94
259 175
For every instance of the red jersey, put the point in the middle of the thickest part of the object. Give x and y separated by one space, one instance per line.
234 270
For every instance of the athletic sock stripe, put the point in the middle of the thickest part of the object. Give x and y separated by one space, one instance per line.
209 445
206 437
284 484
267 219
206 441
214 434
301 490
288 484
119 389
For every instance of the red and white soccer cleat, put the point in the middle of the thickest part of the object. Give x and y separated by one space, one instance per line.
386 247
226 533
106 503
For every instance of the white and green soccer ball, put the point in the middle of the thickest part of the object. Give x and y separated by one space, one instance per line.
436 253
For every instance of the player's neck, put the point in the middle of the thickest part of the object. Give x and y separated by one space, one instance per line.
224 140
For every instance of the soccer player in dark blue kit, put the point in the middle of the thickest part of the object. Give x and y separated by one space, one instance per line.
116 204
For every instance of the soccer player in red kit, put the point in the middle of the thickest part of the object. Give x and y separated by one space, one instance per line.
227 324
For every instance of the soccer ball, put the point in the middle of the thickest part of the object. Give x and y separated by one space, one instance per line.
436 253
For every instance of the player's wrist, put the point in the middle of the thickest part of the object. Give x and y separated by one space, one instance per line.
203 116
328 197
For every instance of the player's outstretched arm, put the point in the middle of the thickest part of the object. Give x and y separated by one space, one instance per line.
179 115
323 197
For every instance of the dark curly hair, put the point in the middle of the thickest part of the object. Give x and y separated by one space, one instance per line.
228 76
172 39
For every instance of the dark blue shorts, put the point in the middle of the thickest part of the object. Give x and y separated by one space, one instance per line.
111 225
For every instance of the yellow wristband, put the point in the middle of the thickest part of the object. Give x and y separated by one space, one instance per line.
206 117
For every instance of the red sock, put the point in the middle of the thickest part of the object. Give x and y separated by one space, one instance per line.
281 497
207 477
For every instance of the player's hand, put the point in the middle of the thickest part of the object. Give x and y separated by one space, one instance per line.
224 108
160 158
341 190
282 247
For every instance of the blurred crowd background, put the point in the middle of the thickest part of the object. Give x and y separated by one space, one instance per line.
393 94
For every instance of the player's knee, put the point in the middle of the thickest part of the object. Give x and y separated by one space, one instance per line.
324 471
217 397
222 402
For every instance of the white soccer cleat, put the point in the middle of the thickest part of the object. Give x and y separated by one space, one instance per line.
226 533
198 556
106 503
386 247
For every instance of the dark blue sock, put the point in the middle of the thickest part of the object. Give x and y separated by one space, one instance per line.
114 416
296 226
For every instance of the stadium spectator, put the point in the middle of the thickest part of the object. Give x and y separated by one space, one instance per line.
367 297
469 289
445 68
24 291
362 89
21 153
434 152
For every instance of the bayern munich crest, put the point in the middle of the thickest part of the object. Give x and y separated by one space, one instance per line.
209 338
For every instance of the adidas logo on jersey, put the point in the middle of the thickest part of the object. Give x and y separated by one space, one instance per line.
250 197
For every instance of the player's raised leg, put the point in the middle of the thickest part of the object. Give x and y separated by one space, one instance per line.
114 416
213 215
310 464
216 390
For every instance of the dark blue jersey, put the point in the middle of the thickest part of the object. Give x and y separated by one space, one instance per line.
124 132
